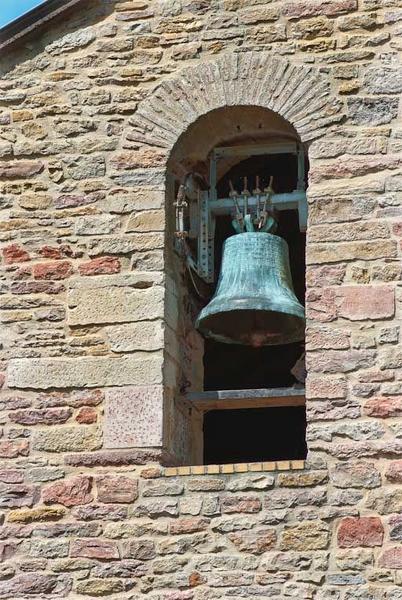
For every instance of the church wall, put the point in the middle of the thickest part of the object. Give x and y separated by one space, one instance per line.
87 306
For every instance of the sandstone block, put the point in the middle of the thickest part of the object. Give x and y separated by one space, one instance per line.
84 167
134 417
326 387
136 242
67 439
240 504
391 558
354 532
14 254
103 265
383 80
99 587
306 536
71 41
329 253
129 337
94 548
96 225
86 415
140 549
46 548
70 492
384 407
115 305
355 474
116 489
394 472
137 369
296 480
255 542
13 449
51 416
52 270
41 513
330 8
340 361
365 302
21 169
146 221
34 584
188 525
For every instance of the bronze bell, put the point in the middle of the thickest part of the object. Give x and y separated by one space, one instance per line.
254 302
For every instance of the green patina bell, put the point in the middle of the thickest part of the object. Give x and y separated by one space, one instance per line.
254 302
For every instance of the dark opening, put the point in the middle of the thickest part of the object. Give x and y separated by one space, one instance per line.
232 366
255 434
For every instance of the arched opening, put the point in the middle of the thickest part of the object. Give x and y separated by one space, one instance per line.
243 149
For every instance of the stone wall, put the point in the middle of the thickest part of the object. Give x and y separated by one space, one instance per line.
89 405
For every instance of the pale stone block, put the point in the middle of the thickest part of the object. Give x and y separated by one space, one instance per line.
145 335
134 417
114 305
44 373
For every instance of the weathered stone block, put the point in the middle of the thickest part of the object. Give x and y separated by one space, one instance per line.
90 548
365 302
391 558
354 532
129 337
134 417
372 111
114 305
97 225
41 513
383 80
37 373
331 8
20 169
67 439
103 265
355 474
312 535
116 489
146 221
394 472
70 492
71 41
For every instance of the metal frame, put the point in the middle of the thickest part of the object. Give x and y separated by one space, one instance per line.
204 210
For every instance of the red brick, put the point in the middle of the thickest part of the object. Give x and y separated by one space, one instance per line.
391 558
52 270
116 489
70 492
357 532
91 548
383 407
104 265
87 415
15 254
360 302
394 472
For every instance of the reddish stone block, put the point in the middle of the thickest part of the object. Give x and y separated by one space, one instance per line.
383 407
52 270
7 550
190 525
357 532
11 476
94 548
15 254
394 472
37 287
15 496
56 252
52 416
20 169
391 558
255 542
13 449
104 265
70 492
116 489
361 302
240 504
87 415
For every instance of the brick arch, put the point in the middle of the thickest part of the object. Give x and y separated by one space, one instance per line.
299 93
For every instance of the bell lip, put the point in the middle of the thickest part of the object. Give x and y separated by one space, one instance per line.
298 335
